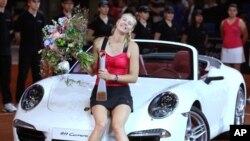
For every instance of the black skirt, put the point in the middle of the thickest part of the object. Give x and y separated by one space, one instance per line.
116 95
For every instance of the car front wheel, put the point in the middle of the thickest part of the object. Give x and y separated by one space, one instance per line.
240 105
197 126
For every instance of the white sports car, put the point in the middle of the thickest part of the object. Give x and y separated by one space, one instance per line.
179 96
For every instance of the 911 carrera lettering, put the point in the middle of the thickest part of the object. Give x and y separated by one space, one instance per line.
80 135
73 134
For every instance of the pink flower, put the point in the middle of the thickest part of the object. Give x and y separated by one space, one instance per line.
56 35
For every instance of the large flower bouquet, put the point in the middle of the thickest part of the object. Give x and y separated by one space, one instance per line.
63 40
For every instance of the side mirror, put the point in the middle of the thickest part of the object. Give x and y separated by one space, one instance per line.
214 78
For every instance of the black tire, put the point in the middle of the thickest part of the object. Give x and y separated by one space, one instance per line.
197 126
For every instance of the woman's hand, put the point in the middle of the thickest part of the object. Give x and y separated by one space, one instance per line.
88 70
104 74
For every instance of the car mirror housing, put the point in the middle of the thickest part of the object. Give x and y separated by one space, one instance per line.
209 79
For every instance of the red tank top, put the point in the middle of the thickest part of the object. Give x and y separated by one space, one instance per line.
118 64
232 34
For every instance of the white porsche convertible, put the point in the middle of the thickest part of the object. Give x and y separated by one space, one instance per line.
179 96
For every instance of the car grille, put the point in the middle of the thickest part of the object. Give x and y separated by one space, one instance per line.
25 134
153 138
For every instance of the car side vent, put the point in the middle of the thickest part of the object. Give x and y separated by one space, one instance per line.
25 134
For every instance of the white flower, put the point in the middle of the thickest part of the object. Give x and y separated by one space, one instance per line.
47 42
62 20
64 65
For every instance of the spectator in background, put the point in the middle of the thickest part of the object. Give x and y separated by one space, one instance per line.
166 30
114 10
103 24
133 5
67 9
6 28
234 36
196 34
143 29
193 5
210 4
185 4
29 34
179 15
123 4
156 10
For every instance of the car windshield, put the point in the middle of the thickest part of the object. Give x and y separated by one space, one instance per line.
162 60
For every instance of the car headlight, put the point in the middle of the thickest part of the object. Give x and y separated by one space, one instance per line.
163 105
32 97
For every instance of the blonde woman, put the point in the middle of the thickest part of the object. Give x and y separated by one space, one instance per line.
122 68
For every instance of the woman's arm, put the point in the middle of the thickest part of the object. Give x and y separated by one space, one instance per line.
17 37
206 40
243 28
184 38
221 30
90 33
92 70
157 36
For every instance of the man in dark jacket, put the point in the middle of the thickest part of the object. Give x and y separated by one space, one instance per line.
5 57
29 33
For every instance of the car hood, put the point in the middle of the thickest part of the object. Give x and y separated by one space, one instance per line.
72 92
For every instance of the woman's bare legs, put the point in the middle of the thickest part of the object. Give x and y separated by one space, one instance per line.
235 66
120 115
100 114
